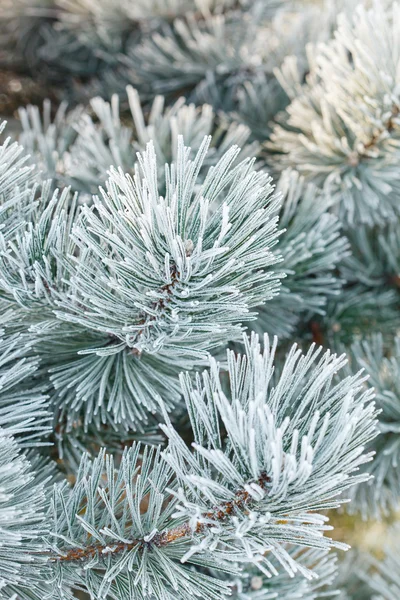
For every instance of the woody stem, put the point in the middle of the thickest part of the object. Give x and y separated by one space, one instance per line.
241 499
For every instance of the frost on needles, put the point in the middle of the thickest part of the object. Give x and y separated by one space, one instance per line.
24 421
139 286
140 240
270 452
341 128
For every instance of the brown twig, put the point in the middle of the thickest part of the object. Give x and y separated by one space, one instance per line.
389 126
160 304
241 500
317 333
394 280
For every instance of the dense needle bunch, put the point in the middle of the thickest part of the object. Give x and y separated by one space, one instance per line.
77 148
383 366
141 284
183 181
341 128
180 521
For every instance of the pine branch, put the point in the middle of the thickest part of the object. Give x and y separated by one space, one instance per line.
388 127
146 285
107 138
338 135
248 493
48 140
242 501
32 269
312 248
369 301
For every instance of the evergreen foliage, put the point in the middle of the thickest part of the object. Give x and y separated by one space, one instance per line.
183 181
372 578
383 576
23 419
384 370
312 248
341 128
163 523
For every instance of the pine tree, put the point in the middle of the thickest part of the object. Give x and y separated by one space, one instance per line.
184 181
